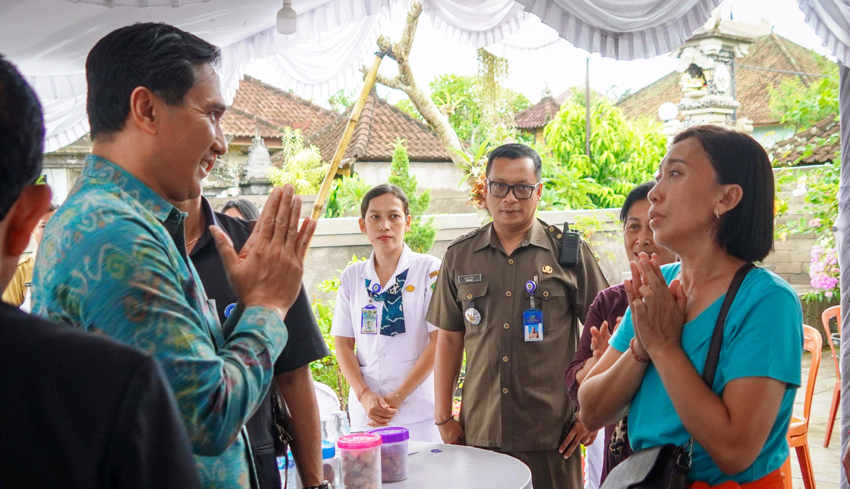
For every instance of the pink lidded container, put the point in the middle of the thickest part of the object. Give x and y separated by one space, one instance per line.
393 453
360 460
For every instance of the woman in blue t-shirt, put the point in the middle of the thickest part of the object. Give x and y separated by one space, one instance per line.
713 206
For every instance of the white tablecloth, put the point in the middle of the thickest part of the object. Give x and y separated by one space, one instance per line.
459 467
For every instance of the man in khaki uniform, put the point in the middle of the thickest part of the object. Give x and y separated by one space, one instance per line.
16 292
514 399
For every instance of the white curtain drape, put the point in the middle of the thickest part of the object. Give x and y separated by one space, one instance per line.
831 21
49 39
623 29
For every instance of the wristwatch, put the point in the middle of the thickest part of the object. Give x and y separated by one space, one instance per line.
323 485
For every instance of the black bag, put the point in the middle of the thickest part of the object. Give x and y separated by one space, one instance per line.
667 466
282 422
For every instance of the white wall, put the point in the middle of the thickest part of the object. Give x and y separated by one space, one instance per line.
433 175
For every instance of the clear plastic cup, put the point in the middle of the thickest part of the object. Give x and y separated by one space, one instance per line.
393 453
330 467
360 461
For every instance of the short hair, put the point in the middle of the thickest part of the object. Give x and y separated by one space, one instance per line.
637 194
21 136
158 56
746 231
245 207
380 190
515 151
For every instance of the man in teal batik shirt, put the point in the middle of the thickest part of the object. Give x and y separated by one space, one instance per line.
113 260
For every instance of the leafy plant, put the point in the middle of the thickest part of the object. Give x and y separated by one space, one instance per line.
819 189
326 370
802 106
422 234
460 99
345 196
302 167
341 100
622 154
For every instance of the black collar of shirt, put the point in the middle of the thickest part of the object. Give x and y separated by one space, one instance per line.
210 219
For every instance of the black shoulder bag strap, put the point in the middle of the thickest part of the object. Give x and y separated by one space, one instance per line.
717 337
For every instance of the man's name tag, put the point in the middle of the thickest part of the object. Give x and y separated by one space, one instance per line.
369 320
469 279
532 325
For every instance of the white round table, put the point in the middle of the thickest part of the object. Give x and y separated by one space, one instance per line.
460 467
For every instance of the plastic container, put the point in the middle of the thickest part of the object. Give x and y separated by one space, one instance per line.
360 461
330 467
393 453
288 478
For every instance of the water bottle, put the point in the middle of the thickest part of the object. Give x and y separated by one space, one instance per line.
289 478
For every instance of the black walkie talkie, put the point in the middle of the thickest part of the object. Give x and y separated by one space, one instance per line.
569 247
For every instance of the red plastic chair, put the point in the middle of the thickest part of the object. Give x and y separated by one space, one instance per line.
832 312
798 431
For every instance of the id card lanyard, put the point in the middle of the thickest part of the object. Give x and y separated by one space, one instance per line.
369 314
532 318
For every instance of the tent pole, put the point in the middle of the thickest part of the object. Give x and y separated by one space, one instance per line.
368 82
842 242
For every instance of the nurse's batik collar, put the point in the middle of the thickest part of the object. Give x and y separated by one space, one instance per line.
392 314
370 276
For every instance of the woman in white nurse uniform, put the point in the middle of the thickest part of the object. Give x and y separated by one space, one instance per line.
380 308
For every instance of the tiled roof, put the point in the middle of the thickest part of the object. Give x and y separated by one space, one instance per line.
379 126
237 123
275 107
771 51
825 136
539 114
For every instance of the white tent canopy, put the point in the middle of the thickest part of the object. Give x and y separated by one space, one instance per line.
49 39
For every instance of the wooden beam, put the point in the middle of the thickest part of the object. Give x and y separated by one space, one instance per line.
325 189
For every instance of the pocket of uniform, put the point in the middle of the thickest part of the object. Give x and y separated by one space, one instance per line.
554 304
475 293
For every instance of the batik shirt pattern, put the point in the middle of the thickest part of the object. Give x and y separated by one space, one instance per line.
114 262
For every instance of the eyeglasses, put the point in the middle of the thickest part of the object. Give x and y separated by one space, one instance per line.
521 192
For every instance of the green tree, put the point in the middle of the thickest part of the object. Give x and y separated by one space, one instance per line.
802 106
622 154
302 167
342 100
421 236
459 98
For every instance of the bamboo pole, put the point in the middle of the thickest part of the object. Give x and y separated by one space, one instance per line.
325 189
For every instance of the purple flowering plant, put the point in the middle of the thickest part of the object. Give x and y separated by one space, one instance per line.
818 188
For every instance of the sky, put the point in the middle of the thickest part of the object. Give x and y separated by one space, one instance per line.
563 66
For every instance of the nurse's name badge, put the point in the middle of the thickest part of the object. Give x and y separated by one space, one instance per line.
473 316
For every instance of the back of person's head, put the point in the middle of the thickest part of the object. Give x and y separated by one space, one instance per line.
380 190
639 193
21 153
21 136
514 151
245 207
746 231
157 56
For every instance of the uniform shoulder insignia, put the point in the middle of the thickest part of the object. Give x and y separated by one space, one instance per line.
464 237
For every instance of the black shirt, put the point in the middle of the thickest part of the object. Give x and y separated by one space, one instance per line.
305 343
79 410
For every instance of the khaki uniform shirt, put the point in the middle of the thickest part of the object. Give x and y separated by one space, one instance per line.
513 394
16 291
